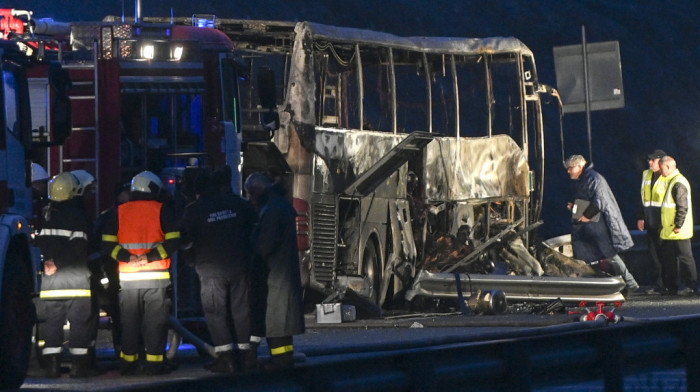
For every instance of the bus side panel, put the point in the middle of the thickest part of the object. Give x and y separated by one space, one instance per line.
476 168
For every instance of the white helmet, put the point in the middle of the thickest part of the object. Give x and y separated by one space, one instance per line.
146 182
84 178
38 172
62 187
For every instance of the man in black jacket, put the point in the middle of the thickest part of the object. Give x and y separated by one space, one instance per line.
65 287
217 227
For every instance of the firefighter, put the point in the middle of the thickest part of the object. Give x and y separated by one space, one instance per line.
65 287
108 294
218 225
142 236
275 246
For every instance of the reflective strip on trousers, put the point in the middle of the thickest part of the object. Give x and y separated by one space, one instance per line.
154 358
281 350
68 293
129 358
225 347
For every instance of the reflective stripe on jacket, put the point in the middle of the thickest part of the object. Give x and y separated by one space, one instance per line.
668 211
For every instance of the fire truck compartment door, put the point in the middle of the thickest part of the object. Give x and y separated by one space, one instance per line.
368 181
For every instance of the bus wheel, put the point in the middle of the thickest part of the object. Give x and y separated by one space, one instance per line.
18 317
371 270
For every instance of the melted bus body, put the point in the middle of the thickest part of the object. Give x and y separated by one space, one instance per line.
389 143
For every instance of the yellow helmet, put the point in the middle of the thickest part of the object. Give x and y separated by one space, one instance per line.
62 187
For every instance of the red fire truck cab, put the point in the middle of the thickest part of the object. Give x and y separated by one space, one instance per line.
143 96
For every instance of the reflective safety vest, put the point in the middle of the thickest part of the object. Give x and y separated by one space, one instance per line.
668 211
653 196
140 232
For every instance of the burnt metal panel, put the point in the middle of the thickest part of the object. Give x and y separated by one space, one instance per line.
476 168
388 164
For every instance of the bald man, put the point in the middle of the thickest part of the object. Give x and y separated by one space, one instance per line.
678 263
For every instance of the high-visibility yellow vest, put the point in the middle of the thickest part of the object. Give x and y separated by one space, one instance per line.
668 211
652 196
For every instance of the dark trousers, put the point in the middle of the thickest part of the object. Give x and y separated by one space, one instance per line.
258 298
227 309
78 312
654 245
144 315
678 264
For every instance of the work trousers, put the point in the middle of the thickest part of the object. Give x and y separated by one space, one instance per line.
654 245
144 317
678 264
227 310
78 312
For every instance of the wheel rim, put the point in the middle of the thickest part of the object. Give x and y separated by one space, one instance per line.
370 269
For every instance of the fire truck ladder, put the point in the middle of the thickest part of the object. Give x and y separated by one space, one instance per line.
76 152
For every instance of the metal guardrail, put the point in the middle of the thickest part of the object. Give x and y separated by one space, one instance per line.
520 361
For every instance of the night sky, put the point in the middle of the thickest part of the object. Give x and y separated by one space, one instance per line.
660 53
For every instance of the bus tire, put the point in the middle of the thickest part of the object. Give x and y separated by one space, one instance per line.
371 270
18 317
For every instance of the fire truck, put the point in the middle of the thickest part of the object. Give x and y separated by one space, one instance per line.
143 96
18 258
115 98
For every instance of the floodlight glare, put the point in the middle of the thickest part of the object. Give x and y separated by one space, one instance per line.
148 51
177 53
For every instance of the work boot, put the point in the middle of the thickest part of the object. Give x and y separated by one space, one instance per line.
248 359
83 366
224 363
53 365
127 368
153 368
280 362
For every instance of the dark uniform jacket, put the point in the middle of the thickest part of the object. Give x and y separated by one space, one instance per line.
64 238
219 225
276 246
608 236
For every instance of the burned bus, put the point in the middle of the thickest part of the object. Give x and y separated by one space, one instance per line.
408 159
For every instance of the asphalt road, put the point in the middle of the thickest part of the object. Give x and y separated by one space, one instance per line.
322 342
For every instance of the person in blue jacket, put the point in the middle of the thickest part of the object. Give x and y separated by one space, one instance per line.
599 234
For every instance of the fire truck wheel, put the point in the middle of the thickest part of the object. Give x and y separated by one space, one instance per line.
18 316
371 270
